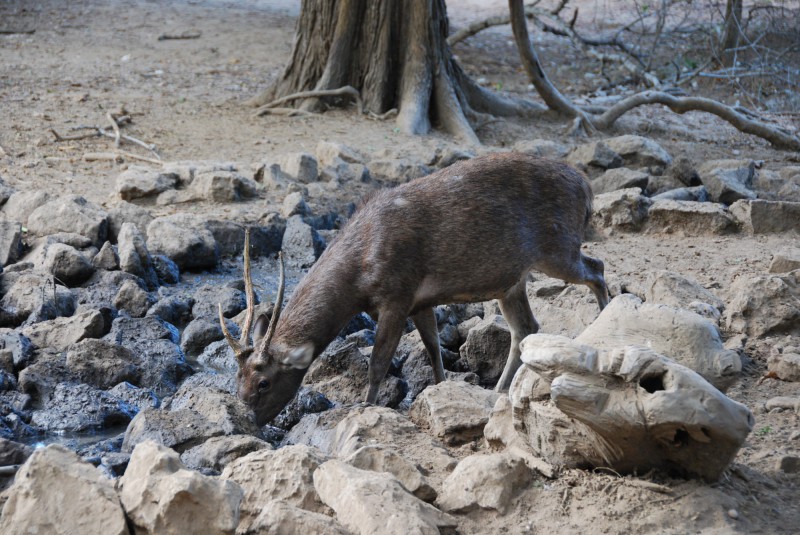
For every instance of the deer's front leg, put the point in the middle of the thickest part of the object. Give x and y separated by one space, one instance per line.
390 328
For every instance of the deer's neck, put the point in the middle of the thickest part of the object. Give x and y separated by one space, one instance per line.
321 306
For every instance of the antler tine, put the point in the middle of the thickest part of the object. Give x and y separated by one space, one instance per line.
276 312
237 348
244 339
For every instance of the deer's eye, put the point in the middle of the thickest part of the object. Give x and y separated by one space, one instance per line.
263 385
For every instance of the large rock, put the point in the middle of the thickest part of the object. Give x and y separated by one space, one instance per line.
453 411
371 502
217 452
727 181
301 244
10 242
70 213
629 409
785 260
21 204
330 153
218 406
684 336
63 332
785 363
222 186
283 474
134 258
767 217
624 209
382 459
765 304
639 151
689 218
179 430
678 290
124 212
138 181
484 481
160 496
55 492
67 264
184 239
593 156
280 518
620 178
102 364
76 408
301 166
486 349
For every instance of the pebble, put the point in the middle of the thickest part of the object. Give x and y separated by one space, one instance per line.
733 513
789 464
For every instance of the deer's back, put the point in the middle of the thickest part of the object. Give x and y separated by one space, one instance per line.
479 223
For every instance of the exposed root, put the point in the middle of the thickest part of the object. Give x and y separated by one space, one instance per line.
383 116
346 91
287 112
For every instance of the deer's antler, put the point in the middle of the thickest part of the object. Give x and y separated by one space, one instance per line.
242 347
276 312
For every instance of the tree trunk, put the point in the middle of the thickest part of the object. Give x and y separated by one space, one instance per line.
394 53
732 32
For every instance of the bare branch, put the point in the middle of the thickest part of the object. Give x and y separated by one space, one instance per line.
341 92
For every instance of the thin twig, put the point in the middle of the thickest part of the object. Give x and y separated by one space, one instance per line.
184 35
341 92
115 126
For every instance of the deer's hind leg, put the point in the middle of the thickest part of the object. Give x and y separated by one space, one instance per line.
577 268
517 312
425 321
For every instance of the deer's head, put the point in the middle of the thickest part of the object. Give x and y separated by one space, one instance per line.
269 374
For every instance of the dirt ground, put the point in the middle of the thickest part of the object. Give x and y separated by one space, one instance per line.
187 96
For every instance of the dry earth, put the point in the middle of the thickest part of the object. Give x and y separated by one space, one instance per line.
187 96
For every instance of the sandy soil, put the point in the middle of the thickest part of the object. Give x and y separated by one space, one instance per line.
187 96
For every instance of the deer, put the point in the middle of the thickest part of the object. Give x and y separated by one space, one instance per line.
470 232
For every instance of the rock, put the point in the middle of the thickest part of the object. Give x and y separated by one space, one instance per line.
56 492
370 502
789 464
61 333
75 408
125 212
330 153
785 364
381 459
453 411
767 217
784 403
397 171
449 156
785 260
594 155
184 239
179 430
39 379
294 204
684 170
25 298
639 151
175 309
486 349
484 481
342 375
677 290
300 166
629 409
217 452
106 258
221 186
140 398
208 298
161 496
684 336
301 244
689 218
284 474
10 242
624 209
133 299
17 347
70 213
137 182
280 518
696 194
728 181
620 178
100 291
13 452
201 332
67 264
765 304
21 204
218 406
307 401
134 258
167 270
341 432
102 364
541 148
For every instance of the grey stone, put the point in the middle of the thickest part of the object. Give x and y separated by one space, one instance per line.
175 309
696 193
541 148
60 333
209 297
397 171
202 332
125 212
167 270
785 260
184 239
785 364
294 204
133 299
106 258
689 218
487 347
300 166
70 213
75 408
101 364
134 258
280 518
727 181
678 290
767 217
21 204
25 298
765 304
624 209
222 186
302 244
638 150
137 182
217 452
594 155
10 242
67 264
620 178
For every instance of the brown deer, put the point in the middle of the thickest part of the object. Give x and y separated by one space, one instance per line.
469 232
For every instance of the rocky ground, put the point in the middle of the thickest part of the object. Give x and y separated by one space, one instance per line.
112 271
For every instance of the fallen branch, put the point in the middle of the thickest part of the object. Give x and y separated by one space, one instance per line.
288 112
17 32
346 91
184 35
115 126
780 138
100 131
118 157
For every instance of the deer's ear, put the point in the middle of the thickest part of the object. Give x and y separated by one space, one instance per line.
298 357
260 328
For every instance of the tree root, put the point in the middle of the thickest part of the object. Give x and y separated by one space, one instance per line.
346 91
779 138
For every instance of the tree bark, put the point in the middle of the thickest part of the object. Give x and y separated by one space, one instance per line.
732 32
